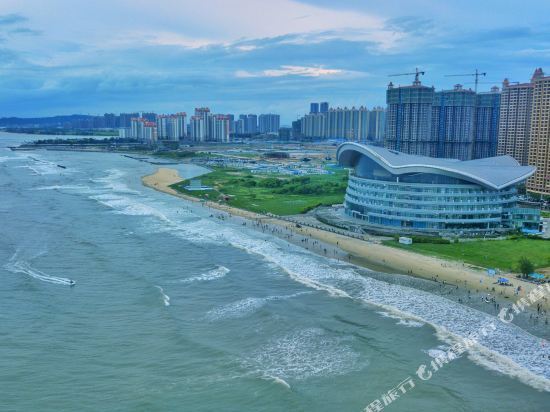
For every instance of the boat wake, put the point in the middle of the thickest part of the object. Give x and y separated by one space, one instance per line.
17 266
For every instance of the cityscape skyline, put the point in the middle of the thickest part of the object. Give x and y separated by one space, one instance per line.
289 54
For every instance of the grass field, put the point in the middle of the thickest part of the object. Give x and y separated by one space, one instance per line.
501 254
277 194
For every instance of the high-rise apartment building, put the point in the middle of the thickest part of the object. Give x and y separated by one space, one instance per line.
269 123
314 107
516 101
150 132
143 130
456 124
353 124
197 128
136 127
377 125
125 119
314 125
453 114
219 128
231 123
486 124
149 116
171 127
208 127
409 119
539 136
239 125
323 107
251 124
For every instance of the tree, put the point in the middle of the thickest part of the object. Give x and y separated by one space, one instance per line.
526 267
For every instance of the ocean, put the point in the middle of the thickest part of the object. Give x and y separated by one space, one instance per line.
176 310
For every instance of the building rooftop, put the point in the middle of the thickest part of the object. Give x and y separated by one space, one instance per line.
493 172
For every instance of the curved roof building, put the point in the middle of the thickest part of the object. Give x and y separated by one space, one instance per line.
398 192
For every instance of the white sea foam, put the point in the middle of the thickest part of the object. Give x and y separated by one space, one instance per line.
44 167
19 266
34 171
277 380
306 353
165 297
4 159
217 273
402 320
506 349
439 352
112 182
71 188
245 306
131 206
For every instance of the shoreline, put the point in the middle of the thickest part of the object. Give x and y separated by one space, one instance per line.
362 253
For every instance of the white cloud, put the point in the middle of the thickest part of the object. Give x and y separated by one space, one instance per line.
246 47
192 24
314 71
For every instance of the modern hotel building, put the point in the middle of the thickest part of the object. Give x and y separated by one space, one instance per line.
394 192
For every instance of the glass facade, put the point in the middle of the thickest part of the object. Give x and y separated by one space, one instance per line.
424 206
395 192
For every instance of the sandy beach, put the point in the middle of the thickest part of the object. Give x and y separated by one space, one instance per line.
360 252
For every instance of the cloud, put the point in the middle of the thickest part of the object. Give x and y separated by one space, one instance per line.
24 30
410 24
250 55
290 71
12 18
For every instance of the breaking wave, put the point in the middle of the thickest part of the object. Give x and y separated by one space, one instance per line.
165 297
213 274
245 306
505 350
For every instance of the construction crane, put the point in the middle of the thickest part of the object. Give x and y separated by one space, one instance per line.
416 74
476 75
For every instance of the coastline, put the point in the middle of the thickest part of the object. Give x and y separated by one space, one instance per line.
366 254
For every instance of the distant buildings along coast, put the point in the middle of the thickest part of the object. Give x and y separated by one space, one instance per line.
458 123
353 124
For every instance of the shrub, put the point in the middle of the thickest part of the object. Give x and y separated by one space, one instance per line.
271 182
428 239
525 266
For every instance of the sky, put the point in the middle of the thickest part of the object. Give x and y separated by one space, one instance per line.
254 56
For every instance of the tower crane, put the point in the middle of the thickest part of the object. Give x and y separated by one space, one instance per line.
416 73
476 75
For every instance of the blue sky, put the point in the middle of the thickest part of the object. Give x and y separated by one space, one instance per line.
241 56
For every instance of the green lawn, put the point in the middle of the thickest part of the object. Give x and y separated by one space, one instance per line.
278 194
501 254
545 213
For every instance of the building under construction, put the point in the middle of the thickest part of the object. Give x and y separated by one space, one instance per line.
457 123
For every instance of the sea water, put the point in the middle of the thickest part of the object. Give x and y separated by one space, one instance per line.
175 310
